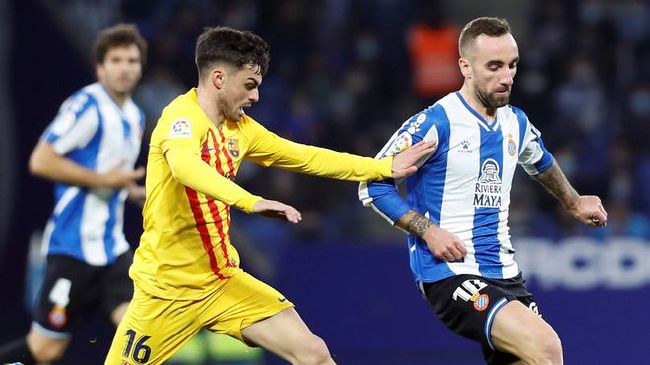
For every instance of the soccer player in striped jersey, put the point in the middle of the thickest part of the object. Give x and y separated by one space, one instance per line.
186 270
456 209
89 150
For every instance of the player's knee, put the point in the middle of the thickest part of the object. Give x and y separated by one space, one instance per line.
46 353
44 349
314 352
548 350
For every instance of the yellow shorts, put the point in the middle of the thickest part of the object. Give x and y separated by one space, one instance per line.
153 329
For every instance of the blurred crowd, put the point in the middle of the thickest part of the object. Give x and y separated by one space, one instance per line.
346 73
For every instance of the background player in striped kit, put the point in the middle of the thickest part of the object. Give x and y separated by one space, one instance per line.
456 211
89 151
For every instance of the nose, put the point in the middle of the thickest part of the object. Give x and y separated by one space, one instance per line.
254 95
507 79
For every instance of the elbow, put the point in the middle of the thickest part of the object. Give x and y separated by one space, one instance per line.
37 166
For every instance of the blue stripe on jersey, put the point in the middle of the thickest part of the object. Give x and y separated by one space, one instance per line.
546 161
67 226
109 237
425 193
486 219
522 120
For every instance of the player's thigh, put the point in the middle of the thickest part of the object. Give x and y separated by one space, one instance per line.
296 341
240 301
520 331
152 330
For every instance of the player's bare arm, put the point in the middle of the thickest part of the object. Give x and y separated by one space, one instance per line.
444 245
47 163
405 163
275 209
588 209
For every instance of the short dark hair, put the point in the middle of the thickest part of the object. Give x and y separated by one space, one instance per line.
235 47
491 27
119 35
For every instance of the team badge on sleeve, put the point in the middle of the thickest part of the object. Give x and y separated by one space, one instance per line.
401 143
181 129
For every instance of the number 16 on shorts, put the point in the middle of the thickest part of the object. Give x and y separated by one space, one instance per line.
136 348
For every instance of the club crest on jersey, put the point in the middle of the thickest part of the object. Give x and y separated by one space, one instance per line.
487 191
512 147
181 129
57 316
402 142
233 146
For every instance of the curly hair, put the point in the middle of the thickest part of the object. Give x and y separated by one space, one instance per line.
119 35
235 47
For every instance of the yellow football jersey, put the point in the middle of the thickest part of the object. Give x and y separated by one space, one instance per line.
185 249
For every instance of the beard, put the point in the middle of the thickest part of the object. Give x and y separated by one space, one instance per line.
491 101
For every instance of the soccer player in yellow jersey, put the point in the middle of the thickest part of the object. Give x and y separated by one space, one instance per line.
186 270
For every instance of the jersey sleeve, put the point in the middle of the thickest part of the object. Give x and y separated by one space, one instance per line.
181 145
268 149
384 196
533 155
75 124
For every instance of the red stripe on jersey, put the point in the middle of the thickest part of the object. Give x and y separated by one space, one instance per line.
214 210
203 230
228 158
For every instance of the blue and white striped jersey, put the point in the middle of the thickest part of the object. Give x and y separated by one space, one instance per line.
463 186
93 131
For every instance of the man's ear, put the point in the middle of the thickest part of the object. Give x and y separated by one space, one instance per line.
465 68
217 76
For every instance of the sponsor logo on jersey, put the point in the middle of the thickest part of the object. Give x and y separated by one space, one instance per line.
464 146
512 147
415 125
487 192
181 129
233 146
401 143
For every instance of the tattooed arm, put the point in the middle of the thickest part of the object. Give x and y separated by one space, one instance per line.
588 209
444 245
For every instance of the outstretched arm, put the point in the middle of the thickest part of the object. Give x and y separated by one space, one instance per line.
588 209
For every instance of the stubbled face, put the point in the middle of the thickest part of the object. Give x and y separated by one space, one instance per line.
240 90
490 65
121 69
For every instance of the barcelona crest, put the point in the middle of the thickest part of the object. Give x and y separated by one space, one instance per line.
233 146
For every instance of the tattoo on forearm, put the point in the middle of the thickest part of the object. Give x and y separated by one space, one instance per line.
417 224
557 184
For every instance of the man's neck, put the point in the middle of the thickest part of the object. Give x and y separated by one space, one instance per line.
470 97
209 106
119 98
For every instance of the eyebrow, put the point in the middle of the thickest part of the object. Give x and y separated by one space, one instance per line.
499 62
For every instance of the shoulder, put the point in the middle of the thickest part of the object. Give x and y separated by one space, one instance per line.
79 101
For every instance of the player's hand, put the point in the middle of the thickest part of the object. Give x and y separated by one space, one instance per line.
444 245
137 194
120 178
405 162
275 209
588 209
